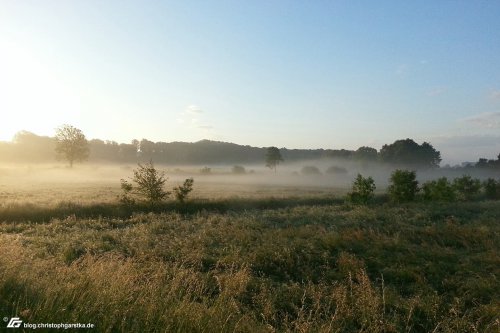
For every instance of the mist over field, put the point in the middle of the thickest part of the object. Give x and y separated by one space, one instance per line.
251 166
92 182
213 162
233 238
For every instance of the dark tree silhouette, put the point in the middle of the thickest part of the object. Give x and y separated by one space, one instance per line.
409 153
71 144
32 147
366 154
273 158
486 163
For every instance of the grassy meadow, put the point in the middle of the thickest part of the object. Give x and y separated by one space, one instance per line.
242 257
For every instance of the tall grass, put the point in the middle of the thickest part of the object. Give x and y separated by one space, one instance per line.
301 266
22 211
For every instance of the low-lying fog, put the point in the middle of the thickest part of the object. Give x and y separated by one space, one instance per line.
333 174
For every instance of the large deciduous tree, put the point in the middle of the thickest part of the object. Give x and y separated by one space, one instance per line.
71 144
273 158
411 154
366 154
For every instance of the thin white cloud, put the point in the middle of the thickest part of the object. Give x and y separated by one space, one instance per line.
402 69
194 118
206 127
495 94
194 109
436 91
190 115
489 120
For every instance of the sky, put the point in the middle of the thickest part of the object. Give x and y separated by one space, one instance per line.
295 74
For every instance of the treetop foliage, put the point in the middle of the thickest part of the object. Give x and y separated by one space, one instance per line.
484 163
273 158
409 153
366 154
71 144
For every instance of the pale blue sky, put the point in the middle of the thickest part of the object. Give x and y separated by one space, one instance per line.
296 74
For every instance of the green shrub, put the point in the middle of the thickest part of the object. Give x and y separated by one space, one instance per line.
150 183
181 192
125 197
491 188
438 190
466 187
404 185
362 190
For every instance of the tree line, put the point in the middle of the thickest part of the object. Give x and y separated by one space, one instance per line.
70 143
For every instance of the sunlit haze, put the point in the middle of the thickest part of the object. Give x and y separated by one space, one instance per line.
296 74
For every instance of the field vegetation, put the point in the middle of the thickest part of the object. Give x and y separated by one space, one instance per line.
306 260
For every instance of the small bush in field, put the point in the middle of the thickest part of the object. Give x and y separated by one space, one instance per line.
149 183
466 187
438 190
181 192
205 171
362 190
238 170
310 170
491 188
125 197
404 185
336 170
